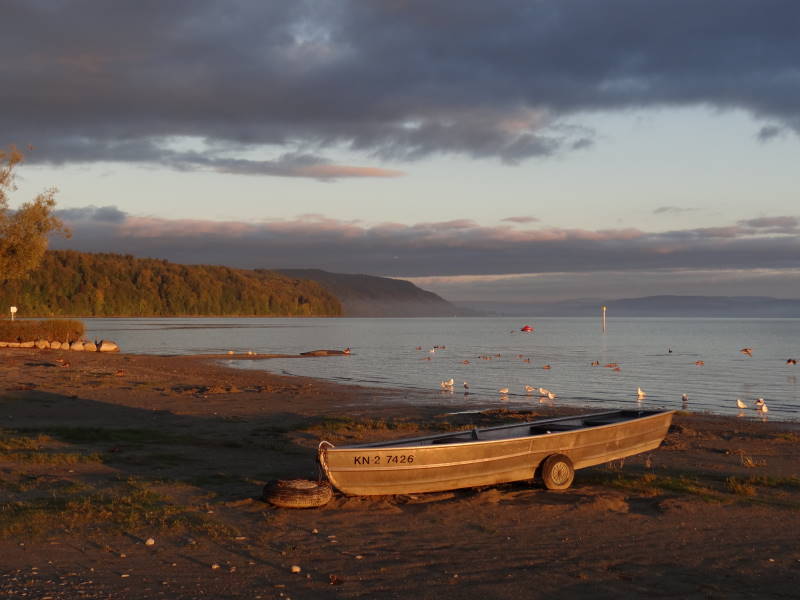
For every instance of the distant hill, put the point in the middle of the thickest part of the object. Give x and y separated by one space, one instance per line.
70 283
650 306
370 296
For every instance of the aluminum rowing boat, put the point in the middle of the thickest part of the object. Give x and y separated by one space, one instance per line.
552 448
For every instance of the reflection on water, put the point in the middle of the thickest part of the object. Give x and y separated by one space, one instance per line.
665 357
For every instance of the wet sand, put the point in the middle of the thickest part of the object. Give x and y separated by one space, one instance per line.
713 513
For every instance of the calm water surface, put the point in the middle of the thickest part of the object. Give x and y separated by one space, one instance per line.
385 354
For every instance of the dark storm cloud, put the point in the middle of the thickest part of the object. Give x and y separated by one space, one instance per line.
85 81
459 247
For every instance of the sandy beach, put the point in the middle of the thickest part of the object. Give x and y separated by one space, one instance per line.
139 476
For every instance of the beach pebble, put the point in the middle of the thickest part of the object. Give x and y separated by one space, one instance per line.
296 569
315 530
149 542
214 566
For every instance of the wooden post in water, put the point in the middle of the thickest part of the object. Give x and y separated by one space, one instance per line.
604 319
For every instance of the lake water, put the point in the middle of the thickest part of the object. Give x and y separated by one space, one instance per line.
385 354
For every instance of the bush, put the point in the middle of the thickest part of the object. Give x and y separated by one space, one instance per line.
63 330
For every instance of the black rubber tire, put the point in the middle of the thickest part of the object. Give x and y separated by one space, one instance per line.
298 493
557 472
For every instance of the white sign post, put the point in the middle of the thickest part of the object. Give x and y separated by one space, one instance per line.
13 310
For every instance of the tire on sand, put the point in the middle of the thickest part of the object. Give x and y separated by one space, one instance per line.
557 472
298 493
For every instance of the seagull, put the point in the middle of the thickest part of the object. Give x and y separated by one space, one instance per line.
503 391
546 367
640 393
740 404
761 406
595 363
466 386
759 402
791 361
544 391
551 396
684 398
747 351
529 388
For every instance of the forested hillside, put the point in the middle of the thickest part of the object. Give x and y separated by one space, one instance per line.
81 284
370 296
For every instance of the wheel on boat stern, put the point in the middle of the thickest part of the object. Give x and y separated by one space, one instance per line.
557 472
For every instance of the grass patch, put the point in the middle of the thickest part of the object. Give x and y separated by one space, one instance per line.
49 329
789 436
126 506
89 435
650 484
10 440
49 458
740 487
765 481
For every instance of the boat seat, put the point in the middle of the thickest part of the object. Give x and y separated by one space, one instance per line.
453 439
596 422
554 427
468 436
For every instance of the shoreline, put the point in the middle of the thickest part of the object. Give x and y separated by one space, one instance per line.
712 513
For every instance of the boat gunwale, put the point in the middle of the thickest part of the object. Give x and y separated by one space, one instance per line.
391 445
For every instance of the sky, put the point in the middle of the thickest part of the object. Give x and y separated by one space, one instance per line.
516 151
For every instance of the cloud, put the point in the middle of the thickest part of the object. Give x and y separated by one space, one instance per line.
454 248
520 220
97 214
788 225
769 132
672 210
612 284
506 80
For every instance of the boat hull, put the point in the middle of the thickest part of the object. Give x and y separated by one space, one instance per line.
439 465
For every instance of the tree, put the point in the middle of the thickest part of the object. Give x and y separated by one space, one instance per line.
23 232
